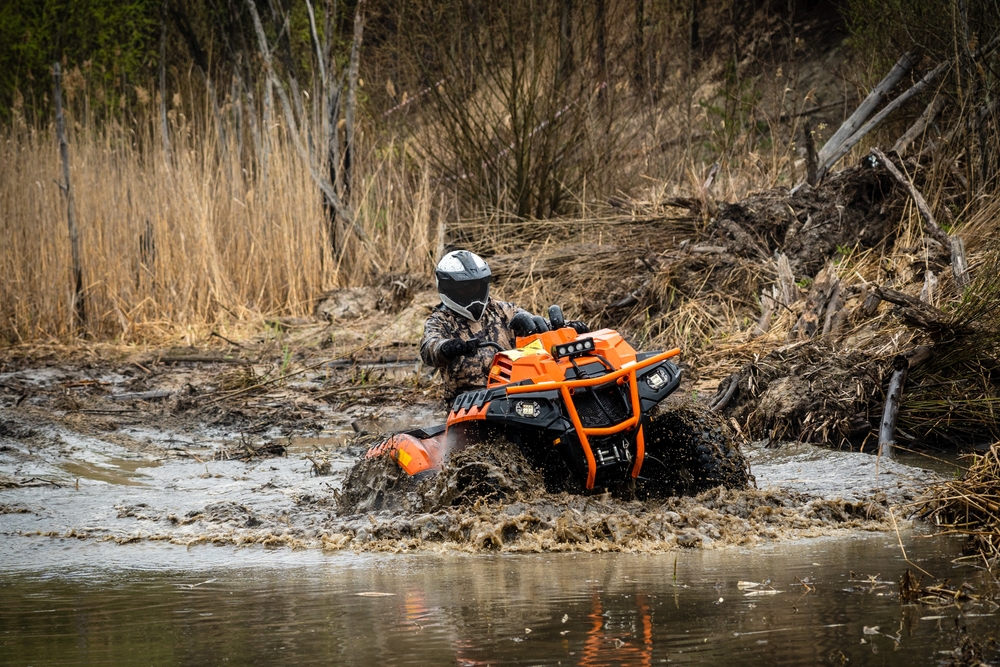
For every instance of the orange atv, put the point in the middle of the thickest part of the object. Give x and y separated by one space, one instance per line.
580 407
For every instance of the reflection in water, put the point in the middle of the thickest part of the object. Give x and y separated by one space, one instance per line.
632 649
547 609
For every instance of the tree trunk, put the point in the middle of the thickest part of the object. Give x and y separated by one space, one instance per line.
639 47
887 430
165 128
565 42
77 307
812 160
352 97
601 51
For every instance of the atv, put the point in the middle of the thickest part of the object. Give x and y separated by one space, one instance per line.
583 409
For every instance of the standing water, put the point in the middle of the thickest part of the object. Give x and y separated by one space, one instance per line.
817 601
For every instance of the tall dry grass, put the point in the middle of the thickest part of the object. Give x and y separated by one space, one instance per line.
229 226
192 237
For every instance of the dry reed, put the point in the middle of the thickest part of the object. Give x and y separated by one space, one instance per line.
192 237
970 506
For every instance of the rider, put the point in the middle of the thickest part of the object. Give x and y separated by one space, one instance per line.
466 316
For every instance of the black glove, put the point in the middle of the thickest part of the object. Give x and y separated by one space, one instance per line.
578 326
456 347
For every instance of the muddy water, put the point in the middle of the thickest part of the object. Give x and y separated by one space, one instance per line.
141 535
816 601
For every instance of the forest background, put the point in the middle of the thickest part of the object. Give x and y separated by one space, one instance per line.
230 161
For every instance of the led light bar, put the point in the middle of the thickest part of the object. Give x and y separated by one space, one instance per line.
574 348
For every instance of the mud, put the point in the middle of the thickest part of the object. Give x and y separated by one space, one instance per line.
805 296
185 473
810 392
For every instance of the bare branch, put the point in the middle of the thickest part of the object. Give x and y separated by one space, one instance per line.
322 183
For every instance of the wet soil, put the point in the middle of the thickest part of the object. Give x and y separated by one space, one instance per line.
199 466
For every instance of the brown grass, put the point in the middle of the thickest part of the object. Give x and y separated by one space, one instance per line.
239 233
189 239
970 506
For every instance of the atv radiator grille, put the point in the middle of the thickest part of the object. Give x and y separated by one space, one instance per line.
505 369
601 406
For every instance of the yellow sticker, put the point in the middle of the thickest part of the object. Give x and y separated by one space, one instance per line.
404 457
534 346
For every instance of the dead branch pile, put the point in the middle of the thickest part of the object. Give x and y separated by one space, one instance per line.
805 302
970 506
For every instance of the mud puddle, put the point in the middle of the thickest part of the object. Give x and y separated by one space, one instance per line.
119 510
97 490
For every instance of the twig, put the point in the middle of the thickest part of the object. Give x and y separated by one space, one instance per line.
959 267
903 549
218 335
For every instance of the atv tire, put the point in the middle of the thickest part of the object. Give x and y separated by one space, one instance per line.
692 449
492 469
376 484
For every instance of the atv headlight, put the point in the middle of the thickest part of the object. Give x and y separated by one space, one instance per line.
657 378
529 409
579 346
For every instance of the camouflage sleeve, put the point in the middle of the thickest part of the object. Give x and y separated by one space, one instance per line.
508 312
435 334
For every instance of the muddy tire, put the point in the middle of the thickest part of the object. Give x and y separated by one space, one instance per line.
690 450
376 484
493 470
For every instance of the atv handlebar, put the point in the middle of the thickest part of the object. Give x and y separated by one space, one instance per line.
489 343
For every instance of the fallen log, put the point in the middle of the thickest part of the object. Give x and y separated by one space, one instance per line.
920 125
143 395
913 311
865 109
843 149
720 404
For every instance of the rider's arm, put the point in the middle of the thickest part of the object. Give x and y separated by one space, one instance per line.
435 334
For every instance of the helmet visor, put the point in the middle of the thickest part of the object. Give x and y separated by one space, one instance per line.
466 292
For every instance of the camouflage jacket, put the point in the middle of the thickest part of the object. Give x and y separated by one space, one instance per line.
463 373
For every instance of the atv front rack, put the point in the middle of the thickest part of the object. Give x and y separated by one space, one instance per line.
566 388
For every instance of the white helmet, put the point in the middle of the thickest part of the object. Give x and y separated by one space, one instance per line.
463 283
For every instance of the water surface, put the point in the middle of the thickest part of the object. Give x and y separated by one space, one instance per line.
817 601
